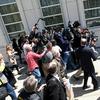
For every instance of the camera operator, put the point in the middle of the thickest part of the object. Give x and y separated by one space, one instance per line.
33 33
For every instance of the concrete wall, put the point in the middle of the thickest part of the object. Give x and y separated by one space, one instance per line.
4 39
30 13
83 23
71 5
71 10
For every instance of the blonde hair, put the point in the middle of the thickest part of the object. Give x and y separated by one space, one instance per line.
30 84
52 67
8 47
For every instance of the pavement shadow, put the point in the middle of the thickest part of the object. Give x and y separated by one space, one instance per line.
76 81
78 91
98 98
98 78
22 76
23 69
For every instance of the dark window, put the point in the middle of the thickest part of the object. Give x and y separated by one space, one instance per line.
8 9
91 3
6 1
93 22
15 27
11 18
53 20
51 10
48 2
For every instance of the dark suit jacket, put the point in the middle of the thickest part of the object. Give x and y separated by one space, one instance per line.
54 90
85 55
29 95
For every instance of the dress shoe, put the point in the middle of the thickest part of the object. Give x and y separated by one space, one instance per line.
95 88
86 87
96 73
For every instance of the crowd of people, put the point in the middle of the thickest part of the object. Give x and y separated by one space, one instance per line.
48 55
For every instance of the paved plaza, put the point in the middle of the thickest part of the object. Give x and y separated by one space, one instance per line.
77 85
87 94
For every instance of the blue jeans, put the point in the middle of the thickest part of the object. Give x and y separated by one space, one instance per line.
10 91
37 74
65 58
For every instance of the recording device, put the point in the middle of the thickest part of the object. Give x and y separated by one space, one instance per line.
38 22
93 36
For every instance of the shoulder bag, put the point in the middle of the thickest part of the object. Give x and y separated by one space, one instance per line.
3 91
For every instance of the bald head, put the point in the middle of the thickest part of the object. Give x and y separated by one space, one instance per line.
83 41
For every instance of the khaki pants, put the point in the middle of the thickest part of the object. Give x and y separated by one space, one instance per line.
44 68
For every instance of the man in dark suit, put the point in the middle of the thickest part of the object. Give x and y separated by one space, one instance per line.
55 89
85 55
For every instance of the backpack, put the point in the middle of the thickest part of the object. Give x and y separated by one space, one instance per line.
10 76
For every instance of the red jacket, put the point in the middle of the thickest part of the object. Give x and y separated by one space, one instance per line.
31 59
